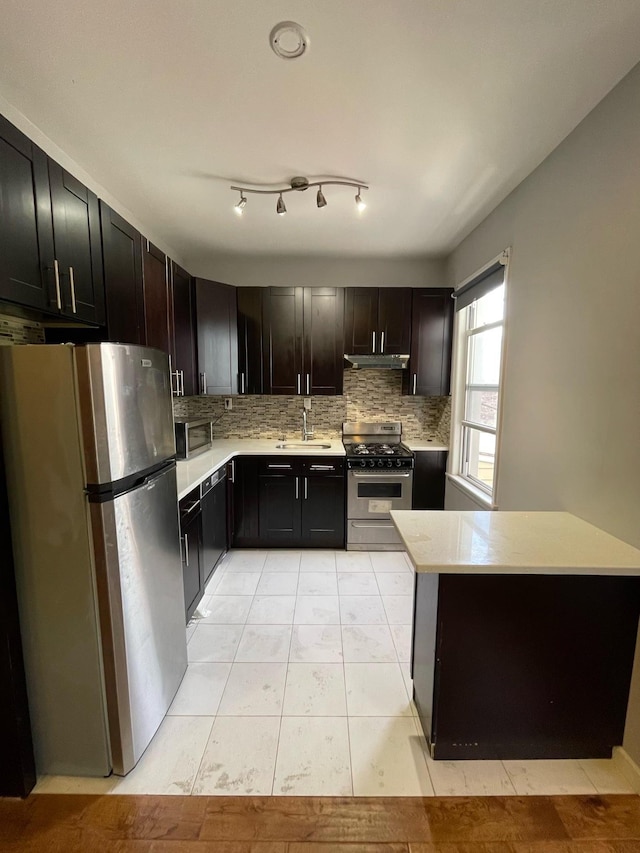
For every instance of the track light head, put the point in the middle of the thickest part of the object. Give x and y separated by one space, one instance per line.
280 206
320 199
239 207
360 204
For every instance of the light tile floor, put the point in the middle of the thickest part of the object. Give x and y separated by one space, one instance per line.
298 684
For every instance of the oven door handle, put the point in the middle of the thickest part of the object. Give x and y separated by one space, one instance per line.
384 474
381 523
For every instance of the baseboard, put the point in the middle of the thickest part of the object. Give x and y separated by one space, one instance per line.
627 767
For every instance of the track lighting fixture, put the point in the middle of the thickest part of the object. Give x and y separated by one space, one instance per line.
299 184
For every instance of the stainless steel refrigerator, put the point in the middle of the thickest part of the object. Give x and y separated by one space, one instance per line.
89 444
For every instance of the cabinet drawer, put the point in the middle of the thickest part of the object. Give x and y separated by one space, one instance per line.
324 465
280 465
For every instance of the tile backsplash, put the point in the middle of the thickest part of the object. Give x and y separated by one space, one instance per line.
15 330
369 395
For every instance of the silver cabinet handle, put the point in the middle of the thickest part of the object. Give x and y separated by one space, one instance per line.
56 275
73 291
203 383
297 487
242 383
381 342
323 467
286 467
175 393
232 476
299 383
415 382
308 383
182 383
186 549
373 343
306 488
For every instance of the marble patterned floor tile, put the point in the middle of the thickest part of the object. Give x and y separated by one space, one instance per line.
399 609
272 610
240 757
264 644
368 644
405 668
402 639
282 561
605 776
244 560
315 689
313 758
548 776
214 643
317 583
191 627
228 609
318 561
362 610
278 583
201 690
395 583
353 561
357 583
214 580
376 690
317 610
387 758
316 644
469 778
171 760
389 561
254 689
240 583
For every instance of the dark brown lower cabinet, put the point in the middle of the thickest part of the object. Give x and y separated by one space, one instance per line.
279 499
323 508
242 480
429 479
191 541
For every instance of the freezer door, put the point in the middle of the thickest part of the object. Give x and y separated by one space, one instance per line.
141 603
125 407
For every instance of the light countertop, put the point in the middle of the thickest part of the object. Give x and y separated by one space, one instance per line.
553 543
192 472
419 445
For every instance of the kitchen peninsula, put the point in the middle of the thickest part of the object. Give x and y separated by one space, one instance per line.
524 633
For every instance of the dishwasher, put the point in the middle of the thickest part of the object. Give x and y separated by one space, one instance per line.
213 504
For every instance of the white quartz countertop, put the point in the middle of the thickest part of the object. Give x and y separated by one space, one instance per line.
553 543
419 445
192 472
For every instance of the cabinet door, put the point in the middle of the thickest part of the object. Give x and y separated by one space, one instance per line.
283 340
361 321
394 320
429 479
217 337
122 252
250 343
323 511
323 358
214 528
244 509
184 355
157 305
191 536
76 228
279 509
26 233
431 338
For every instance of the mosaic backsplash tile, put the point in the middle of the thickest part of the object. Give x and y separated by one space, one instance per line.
14 330
369 395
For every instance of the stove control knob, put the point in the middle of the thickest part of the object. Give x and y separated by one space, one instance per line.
399 463
380 463
389 463
371 463
363 464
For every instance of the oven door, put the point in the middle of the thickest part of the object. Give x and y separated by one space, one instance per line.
373 494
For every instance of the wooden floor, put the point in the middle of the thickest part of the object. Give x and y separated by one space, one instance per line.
120 824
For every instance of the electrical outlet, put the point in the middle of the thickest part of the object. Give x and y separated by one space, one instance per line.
228 404
307 403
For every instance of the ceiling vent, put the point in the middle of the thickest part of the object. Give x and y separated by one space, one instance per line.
288 40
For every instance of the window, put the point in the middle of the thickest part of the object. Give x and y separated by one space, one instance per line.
480 306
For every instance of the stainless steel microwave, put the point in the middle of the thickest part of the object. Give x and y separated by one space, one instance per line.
192 437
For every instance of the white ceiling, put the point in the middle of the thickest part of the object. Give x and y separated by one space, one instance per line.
442 106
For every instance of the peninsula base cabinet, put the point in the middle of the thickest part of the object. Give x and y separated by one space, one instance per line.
523 666
288 502
429 479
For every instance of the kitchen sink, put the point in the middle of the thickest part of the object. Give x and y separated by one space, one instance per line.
300 445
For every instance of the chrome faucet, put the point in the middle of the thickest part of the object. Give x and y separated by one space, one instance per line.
306 433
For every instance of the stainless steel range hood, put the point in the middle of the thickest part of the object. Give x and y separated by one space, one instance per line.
387 362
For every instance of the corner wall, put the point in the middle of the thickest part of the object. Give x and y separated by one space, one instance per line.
571 404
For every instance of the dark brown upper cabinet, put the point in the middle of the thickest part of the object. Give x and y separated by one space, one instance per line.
78 250
250 342
123 278
377 320
303 335
158 310
429 372
183 354
26 231
217 336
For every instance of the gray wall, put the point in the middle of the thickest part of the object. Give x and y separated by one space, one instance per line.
275 270
571 406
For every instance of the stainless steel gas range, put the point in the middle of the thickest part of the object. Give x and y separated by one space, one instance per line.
379 479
